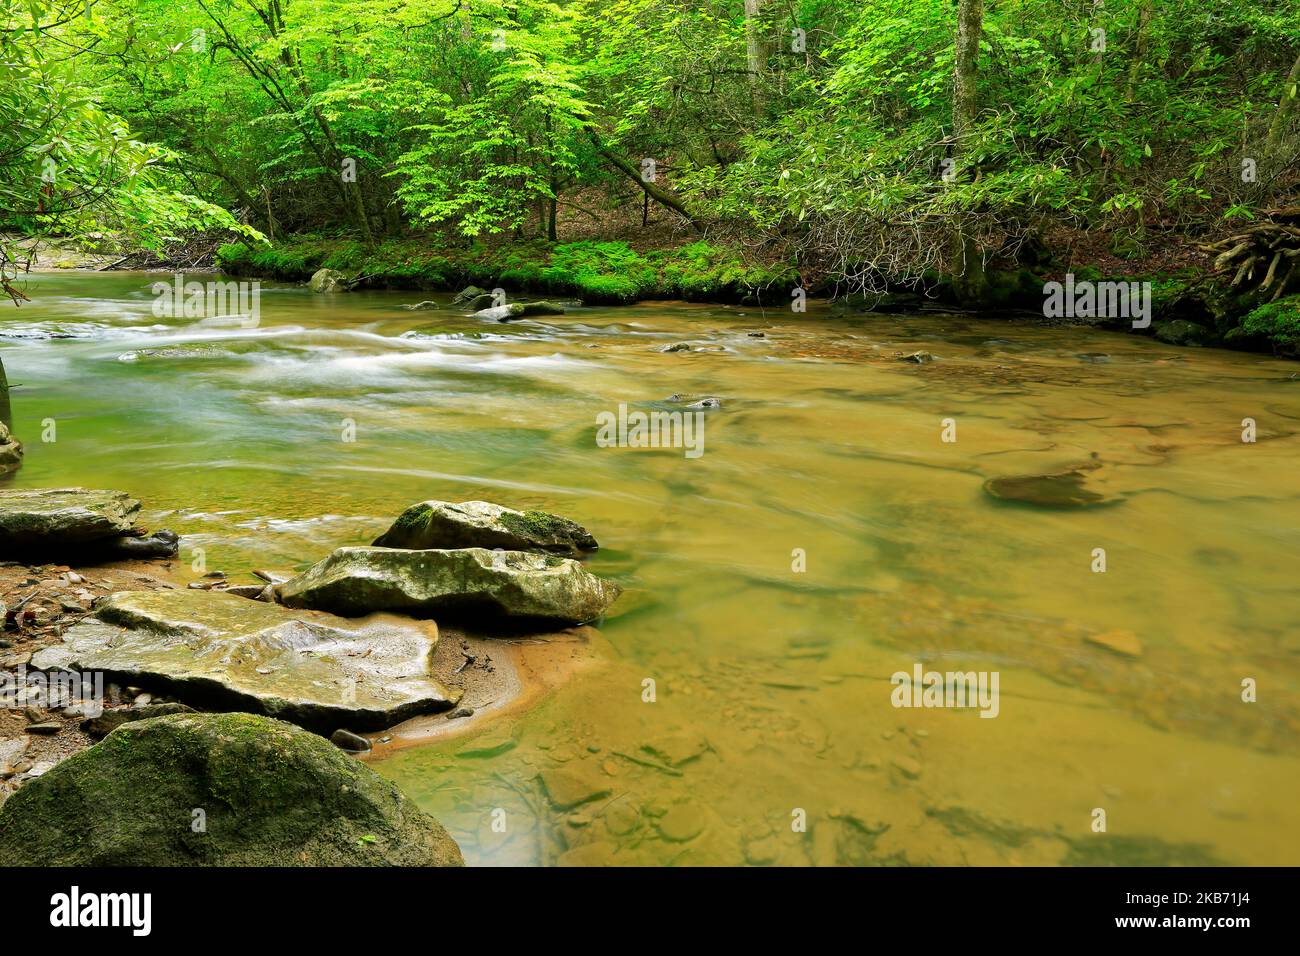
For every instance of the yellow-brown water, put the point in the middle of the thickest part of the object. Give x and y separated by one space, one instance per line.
772 685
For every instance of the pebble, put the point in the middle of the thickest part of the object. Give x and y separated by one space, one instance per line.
908 767
682 823
567 789
347 740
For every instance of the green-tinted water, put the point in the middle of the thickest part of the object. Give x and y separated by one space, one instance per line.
772 685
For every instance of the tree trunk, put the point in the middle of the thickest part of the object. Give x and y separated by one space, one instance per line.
757 48
653 191
1285 110
1141 44
967 263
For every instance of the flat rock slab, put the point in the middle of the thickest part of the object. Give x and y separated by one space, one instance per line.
47 517
471 582
481 524
312 669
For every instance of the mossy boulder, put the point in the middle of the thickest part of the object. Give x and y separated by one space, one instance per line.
328 280
217 790
1186 333
1275 323
482 524
474 583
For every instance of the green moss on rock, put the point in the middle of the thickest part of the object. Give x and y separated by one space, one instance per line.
217 790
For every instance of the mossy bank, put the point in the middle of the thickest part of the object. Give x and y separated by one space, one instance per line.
1186 308
599 273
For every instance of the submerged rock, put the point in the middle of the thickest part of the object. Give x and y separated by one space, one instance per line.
328 280
214 648
1123 643
481 524
55 517
265 793
1067 489
472 582
426 306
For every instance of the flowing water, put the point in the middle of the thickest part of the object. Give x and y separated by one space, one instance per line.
827 538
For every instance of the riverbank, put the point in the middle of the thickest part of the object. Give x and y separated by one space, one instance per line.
1181 304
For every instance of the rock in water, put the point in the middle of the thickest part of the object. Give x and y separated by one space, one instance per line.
1064 490
11 449
501 313
1124 643
214 648
517 310
472 582
328 280
57 517
543 307
481 524
270 794
480 302
468 293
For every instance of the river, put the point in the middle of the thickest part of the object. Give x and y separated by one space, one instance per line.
827 538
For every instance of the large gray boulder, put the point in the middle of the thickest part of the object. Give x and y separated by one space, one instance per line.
473 582
46 518
225 651
217 790
481 524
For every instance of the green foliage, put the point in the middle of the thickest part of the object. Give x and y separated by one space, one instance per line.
69 167
832 147
1278 323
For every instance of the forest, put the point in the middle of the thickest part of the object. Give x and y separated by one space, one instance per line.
700 149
